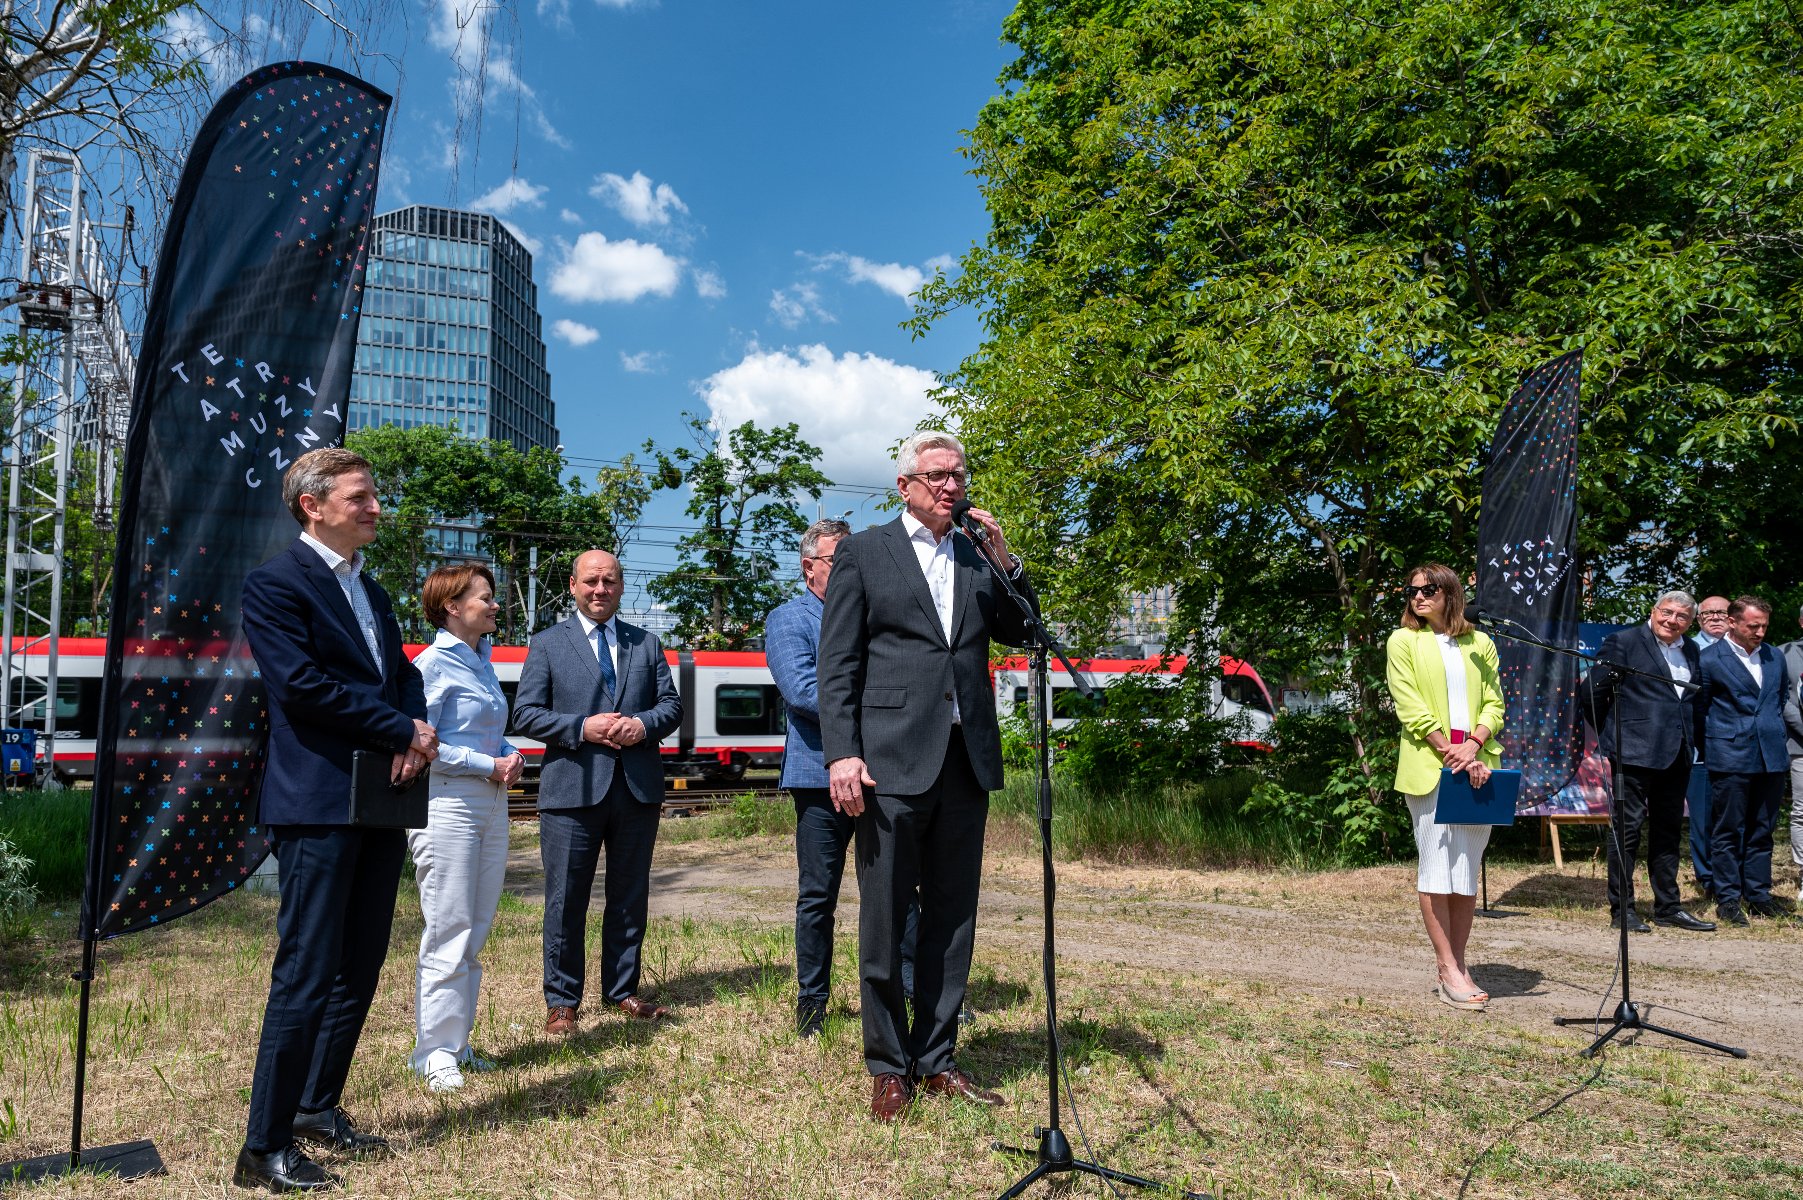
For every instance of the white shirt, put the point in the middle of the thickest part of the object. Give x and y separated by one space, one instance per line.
1749 661
935 558
349 574
1458 704
610 639
1674 659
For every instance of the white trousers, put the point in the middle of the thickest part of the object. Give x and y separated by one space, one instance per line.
459 860
1450 854
1796 812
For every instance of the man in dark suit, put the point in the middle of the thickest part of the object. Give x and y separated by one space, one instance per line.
1658 728
328 651
1741 719
598 693
908 727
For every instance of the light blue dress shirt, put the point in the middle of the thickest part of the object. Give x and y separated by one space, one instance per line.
465 703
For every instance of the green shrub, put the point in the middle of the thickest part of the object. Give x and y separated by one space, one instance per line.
16 891
752 815
1147 733
51 830
1316 781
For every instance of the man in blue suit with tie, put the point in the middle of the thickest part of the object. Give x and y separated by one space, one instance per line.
822 830
328 653
598 693
1740 711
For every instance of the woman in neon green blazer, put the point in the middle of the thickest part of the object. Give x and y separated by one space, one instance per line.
1443 679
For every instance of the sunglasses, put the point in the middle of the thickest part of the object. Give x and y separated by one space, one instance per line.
1430 590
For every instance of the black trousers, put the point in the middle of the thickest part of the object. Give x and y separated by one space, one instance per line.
932 842
822 834
1743 812
1651 801
338 887
571 842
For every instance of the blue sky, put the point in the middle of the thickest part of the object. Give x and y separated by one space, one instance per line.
727 204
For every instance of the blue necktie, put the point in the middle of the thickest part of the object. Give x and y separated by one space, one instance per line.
605 660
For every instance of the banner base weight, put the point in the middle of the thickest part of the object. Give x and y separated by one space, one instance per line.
126 1160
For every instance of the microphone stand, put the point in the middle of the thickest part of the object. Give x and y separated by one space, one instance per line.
1628 1016
1053 1155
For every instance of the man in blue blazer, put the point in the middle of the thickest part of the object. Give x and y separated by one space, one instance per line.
328 653
1658 732
822 830
1741 719
598 693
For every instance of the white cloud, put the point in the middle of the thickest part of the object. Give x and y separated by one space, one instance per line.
645 362
855 407
898 279
224 53
709 285
791 306
638 199
509 195
482 63
570 217
597 270
574 332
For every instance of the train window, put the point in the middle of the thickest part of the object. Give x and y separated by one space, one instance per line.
1243 689
1068 704
743 708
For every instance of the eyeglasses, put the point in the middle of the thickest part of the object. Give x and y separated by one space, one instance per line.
939 478
1430 590
825 558
1713 612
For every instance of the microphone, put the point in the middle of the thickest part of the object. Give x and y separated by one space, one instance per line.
967 524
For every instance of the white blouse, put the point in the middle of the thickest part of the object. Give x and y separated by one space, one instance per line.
1458 706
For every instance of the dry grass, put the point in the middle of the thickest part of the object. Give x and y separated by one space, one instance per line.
1220 1085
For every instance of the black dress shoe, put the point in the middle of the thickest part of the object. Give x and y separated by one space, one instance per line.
334 1130
1635 924
1730 914
285 1170
1683 920
1769 909
809 1019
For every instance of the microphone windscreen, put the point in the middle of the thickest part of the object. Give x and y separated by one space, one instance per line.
960 509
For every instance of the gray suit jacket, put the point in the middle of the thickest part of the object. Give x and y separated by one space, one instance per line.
1793 705
887 672
560 687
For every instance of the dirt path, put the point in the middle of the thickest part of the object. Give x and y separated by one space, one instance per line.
1335 934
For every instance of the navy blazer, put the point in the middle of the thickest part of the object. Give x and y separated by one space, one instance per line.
326 697
792 648
1743 724
560 687
1658 728
888 673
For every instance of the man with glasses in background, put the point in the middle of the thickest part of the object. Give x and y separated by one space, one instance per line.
1712 617
822 828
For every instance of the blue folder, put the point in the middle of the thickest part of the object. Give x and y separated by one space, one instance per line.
1462 804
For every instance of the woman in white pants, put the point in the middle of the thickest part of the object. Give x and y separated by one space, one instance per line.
461 855
1443 678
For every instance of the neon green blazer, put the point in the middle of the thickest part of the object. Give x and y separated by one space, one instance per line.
1417 680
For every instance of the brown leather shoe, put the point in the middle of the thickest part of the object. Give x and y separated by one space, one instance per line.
561 1021
956 1083
889 1097
643 1009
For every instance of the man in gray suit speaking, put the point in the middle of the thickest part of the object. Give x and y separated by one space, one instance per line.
598 693
908 727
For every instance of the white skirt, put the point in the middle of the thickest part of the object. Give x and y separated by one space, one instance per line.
1450 854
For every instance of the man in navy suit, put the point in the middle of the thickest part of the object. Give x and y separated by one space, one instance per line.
1658 730
328 651
598 693
1741 717
822 829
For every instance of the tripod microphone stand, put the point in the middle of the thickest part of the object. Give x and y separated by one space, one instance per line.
1628 1017
1053 1156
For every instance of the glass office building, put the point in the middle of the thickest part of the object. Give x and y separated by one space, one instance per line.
450 333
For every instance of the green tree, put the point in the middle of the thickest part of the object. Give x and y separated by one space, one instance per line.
744 487
1259 278
429 476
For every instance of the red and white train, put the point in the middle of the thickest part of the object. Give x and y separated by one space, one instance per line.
733 717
